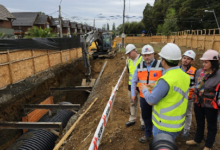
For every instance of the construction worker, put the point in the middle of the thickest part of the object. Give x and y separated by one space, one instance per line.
187 61
207 80
147 72
169 96
133 61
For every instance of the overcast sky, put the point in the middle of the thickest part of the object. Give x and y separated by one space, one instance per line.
83 10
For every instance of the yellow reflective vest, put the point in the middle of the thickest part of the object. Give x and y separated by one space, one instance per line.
169 113
132 68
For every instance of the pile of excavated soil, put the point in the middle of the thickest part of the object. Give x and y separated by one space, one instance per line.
116 135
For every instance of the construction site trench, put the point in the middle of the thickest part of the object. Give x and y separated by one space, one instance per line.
36 89
116 135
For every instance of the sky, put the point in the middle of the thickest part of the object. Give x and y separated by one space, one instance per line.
83 11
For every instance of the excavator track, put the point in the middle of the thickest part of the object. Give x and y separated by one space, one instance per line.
110 54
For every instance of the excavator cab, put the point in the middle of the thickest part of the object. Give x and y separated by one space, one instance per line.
106 41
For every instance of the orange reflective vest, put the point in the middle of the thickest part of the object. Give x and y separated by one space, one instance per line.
191 72
145 77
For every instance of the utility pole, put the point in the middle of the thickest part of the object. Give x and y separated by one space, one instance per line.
94 23
123 35
61 34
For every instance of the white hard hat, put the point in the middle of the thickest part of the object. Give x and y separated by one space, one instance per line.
170 52
129 48
190 53
147 49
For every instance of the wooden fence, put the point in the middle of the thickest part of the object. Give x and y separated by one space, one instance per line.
17 65
200 39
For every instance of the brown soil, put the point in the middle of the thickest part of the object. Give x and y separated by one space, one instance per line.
116 135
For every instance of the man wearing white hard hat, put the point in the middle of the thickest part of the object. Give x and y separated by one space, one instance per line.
169 96
133 61
187 67
147 72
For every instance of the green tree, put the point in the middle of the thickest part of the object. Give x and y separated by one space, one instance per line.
113 26
189 14
36 32
131 27
160 28
170 23
41 13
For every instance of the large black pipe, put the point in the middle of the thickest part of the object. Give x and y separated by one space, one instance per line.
42 139
163 141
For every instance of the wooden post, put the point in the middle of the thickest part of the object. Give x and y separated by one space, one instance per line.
10 67
70 54
213 40
61 56
191 40
112 112
32 53
48 57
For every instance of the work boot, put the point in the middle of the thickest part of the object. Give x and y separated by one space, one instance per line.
206 148
191 142
128 124
144 139
142 127
185 133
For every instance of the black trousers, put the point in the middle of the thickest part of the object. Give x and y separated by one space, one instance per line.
211 115
146 112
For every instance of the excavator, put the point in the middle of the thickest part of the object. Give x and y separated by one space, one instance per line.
105 47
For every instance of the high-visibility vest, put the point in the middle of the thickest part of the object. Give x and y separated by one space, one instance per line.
169 113
145 77
191 72
131 68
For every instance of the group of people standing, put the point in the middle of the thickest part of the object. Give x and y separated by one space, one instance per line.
167 91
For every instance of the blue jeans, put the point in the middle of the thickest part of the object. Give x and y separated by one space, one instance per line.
157 131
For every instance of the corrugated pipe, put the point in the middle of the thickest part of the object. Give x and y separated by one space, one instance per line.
42 139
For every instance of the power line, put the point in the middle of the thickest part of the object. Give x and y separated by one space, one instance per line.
54 12
65 13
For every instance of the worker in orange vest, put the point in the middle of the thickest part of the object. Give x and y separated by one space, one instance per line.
187 67
147 72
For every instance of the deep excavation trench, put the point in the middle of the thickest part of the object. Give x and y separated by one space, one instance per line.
36 89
